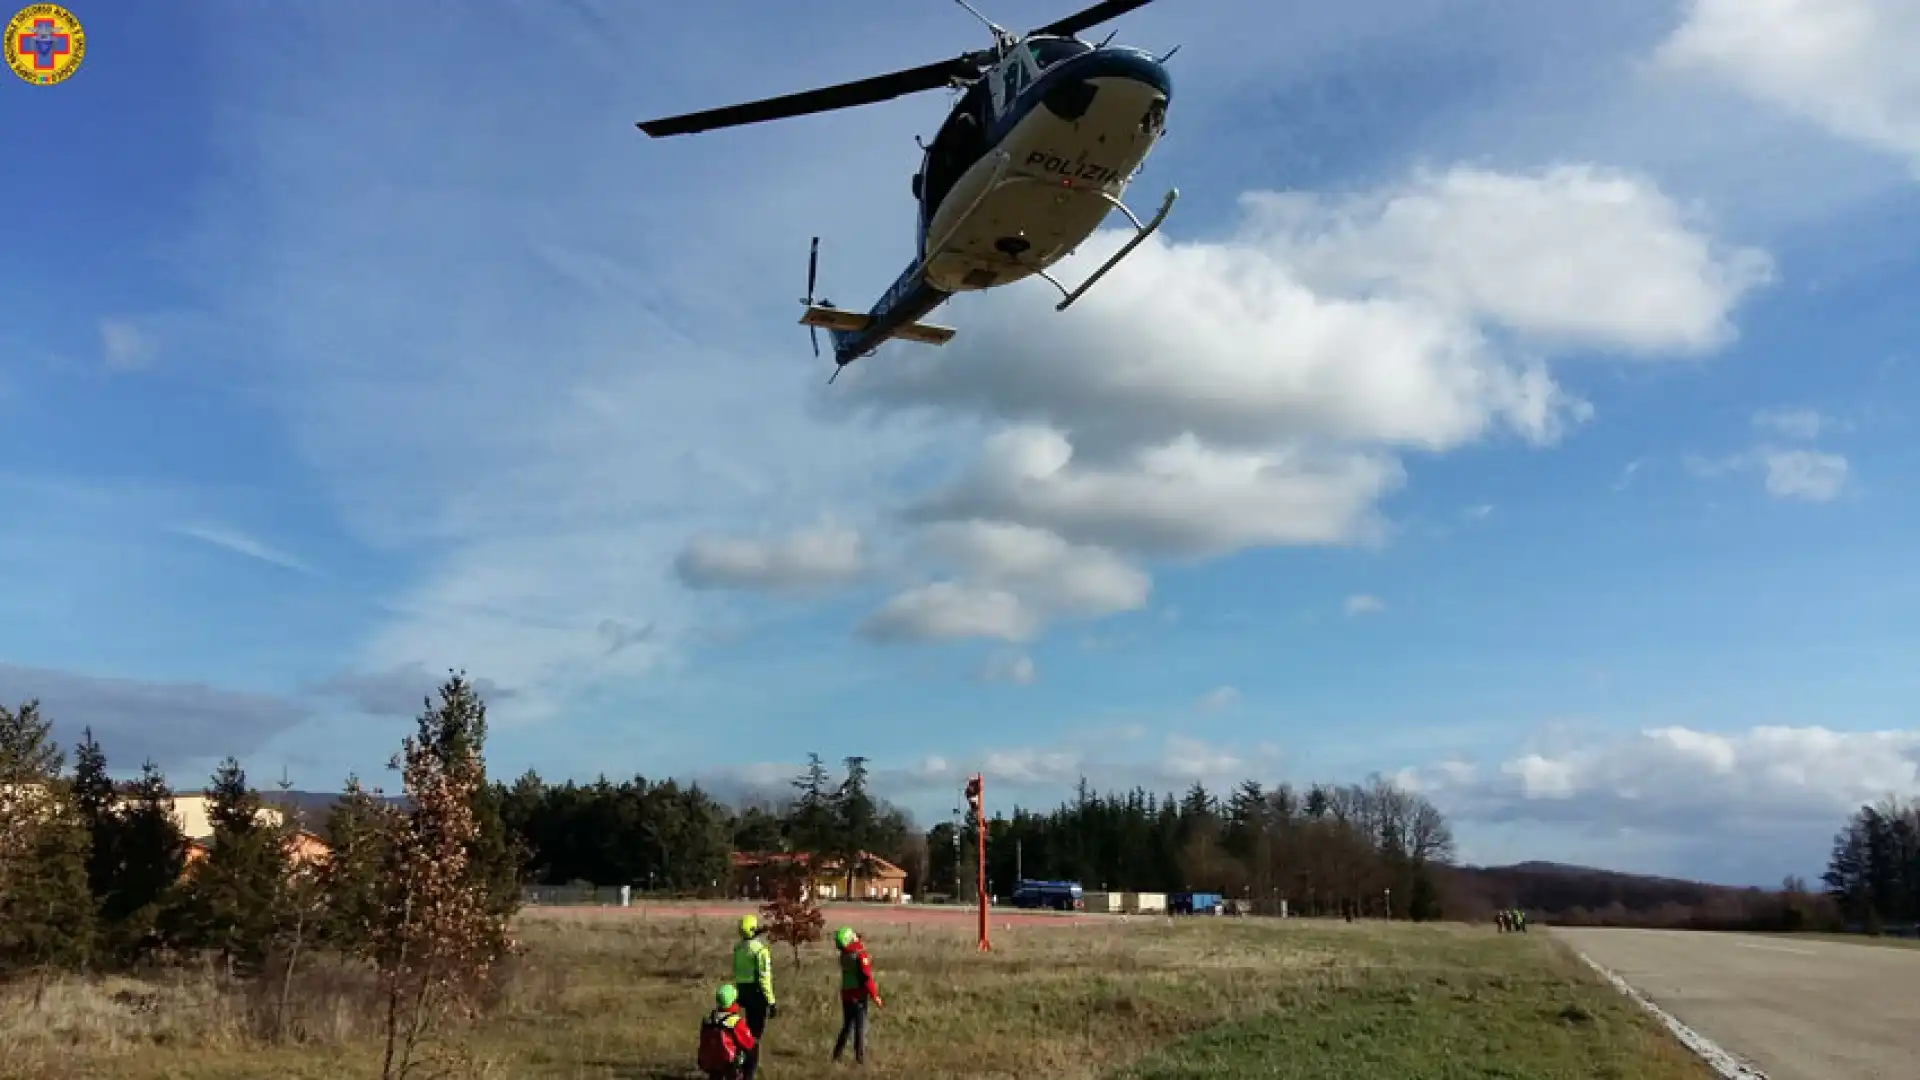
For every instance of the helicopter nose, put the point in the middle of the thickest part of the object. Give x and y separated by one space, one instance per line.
1076 82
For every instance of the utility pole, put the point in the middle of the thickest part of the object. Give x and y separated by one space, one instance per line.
1019 875
958 823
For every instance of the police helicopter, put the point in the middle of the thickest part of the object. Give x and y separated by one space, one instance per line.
1039 147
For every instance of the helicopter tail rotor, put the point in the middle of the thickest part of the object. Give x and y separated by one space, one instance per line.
813 271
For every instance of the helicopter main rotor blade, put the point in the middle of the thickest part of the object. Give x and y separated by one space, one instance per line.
843 96
1093 16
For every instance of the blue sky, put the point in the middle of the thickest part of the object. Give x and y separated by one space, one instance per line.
1518 402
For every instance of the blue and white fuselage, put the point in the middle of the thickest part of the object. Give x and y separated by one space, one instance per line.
1030 162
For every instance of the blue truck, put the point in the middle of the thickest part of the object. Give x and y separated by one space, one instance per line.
1195 903
1059 895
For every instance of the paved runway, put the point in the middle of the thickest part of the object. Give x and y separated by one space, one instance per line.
1796 1009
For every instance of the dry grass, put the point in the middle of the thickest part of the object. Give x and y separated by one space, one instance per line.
620 998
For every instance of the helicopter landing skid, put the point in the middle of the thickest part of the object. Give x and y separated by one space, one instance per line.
1140 233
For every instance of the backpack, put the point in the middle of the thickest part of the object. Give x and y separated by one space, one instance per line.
717 1047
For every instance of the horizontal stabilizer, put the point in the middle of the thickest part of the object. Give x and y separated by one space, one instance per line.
847 322
827 318
924 333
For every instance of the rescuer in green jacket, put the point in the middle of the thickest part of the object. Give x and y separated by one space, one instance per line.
753 979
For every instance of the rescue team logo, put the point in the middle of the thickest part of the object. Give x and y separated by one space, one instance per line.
45 44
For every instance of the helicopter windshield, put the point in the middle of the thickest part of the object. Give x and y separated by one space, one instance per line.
1047 52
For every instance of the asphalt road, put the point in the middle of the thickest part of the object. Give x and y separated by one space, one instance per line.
1795 1009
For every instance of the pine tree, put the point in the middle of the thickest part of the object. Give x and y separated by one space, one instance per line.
1846 877
152 855
46 908
856 823
234 899
811 826
358 831
94 800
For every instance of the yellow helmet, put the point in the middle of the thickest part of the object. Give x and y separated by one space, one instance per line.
749 926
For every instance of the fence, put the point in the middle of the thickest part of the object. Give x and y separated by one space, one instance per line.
582 894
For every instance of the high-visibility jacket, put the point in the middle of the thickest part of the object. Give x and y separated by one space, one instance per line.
856 974
753 966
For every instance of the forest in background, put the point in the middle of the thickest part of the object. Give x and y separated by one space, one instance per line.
1368 849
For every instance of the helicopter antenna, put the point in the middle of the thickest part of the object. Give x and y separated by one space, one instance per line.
1000 35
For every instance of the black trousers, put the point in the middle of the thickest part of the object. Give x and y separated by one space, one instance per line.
754 1004
853 1021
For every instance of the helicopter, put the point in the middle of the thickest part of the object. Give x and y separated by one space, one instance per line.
1043 140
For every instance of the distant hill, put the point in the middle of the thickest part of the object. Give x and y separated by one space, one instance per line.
312 807
1580 893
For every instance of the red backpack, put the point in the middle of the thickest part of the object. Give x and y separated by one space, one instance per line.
718 1049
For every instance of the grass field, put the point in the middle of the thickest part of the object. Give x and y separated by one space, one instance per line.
1884 941
618 996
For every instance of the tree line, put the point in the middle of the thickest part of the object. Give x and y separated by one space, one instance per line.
1372 848
95 874
417 893
1365 848
1873 874
666 837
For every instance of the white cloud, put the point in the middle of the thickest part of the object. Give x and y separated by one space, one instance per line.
1364 605
1809 475
1220 697
1571 255
809 558
1047 771
1686 782
1843 64
124 346
241 544
1014 579
1016 668
1195 760
1791 423
1177 498
946 611
1253 391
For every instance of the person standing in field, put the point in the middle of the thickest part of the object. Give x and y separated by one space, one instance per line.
725 1039
753 981
857 988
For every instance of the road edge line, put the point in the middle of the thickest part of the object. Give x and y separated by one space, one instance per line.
1716 1057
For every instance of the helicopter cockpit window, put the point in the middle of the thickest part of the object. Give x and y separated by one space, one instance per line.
1014 78
1050 51
960 142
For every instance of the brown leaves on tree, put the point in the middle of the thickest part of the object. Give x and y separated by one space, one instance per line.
791 915
435 938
